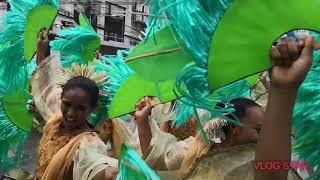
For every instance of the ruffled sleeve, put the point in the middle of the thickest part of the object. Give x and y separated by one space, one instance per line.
44 86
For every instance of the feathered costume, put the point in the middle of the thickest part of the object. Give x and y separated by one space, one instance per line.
78 45
16 69
188 18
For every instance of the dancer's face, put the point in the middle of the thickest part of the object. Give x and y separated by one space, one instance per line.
75 107
251 125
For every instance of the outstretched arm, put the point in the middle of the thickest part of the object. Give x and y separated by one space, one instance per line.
291 63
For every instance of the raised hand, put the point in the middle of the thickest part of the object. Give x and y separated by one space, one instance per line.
143 110
43 48
291 62
34 110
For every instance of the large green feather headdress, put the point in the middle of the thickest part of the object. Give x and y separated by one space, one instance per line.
19 35
77 45
194 25
230 40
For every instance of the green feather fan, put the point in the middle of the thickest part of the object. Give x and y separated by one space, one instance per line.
132 167
191 22
252 27
15 120
19 35
18 38
15 124
156 63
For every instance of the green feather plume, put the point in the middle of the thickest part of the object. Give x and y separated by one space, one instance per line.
184 110
132 167
77 45
96 118
74 45
181 114
118 72
306 119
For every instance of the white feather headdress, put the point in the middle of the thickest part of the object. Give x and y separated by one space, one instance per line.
214 129
87 71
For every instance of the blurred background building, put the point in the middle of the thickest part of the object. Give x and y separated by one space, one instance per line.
121 24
